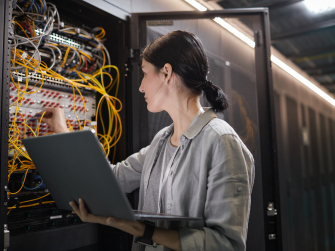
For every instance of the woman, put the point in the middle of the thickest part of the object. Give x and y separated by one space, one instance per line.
196 167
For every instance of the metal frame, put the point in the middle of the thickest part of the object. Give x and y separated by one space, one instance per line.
265 189
6 8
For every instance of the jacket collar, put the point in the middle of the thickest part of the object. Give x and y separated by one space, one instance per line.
196 128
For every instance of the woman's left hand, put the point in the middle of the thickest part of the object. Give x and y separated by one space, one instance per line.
135 228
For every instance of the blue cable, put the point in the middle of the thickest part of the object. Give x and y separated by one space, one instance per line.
38 8
40 22
93 42
33 188
45 6
77 56
31 5
85 38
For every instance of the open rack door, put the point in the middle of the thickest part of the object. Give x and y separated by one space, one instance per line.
237 43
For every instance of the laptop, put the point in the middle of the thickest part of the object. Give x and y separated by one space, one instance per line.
73 165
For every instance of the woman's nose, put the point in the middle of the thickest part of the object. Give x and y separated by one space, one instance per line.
141 88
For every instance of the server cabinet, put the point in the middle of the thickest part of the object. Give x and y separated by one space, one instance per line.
244 74
243 70
38 228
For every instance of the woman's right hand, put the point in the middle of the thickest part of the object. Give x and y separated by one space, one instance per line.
55 118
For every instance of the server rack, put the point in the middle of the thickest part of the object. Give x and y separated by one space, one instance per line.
72 236
305 132
264 228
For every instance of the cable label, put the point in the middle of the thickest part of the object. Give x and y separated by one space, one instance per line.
56 217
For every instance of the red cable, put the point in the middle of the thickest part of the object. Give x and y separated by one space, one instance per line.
24 26
31 30
92 67
83 69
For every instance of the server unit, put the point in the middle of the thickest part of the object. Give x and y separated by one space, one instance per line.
241 68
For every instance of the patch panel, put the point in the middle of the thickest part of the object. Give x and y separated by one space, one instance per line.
34 101
54 37
38 100
33 78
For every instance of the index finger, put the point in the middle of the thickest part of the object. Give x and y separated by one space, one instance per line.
48 112
74 207
82 206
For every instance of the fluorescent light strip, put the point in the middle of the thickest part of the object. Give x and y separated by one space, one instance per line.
196 5
302 79
236 32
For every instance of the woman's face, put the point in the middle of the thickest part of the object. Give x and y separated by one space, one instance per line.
153 87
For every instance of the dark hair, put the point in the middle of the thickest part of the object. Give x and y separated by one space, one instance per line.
185 53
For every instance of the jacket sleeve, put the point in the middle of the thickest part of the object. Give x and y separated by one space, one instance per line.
128 172
228 198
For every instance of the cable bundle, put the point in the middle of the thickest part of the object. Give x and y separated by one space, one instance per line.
37 32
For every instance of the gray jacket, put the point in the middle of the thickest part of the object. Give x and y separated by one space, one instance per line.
212 179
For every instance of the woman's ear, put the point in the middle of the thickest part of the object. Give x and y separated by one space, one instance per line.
167 72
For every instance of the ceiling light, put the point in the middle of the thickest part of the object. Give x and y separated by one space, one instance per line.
236 32
196 5
318 6
302 79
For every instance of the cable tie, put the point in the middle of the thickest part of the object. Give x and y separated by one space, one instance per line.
94 123
24 55
17 204
40 202
19 78
23 149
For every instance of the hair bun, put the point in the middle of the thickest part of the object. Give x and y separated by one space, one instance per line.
206 84
215 96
